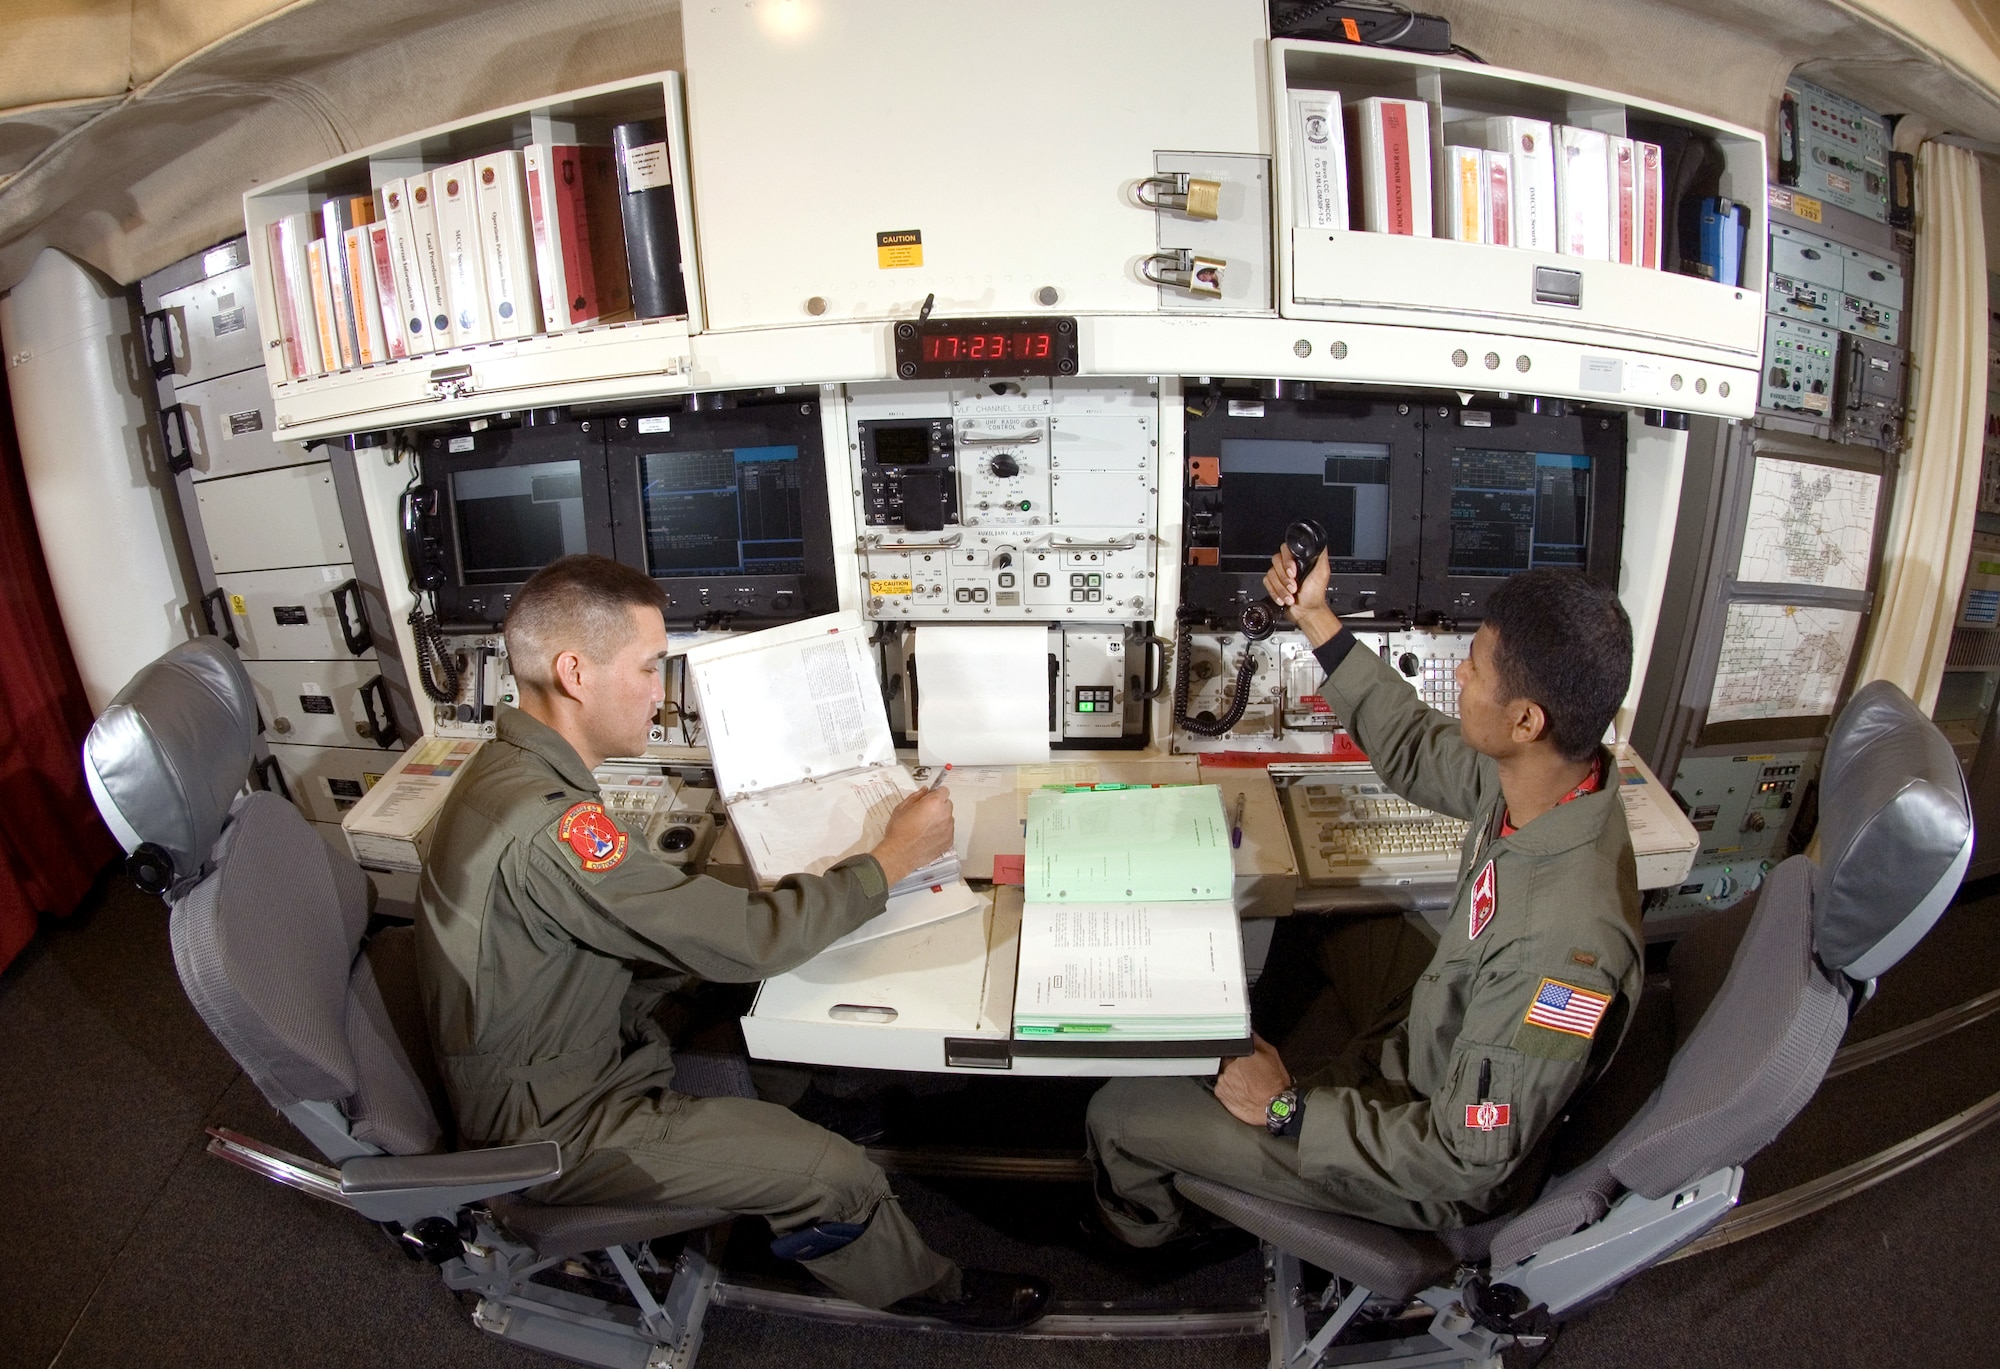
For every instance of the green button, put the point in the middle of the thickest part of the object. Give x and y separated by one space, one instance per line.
1085 706
1024 506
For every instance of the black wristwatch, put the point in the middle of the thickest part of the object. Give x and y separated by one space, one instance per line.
1284 1113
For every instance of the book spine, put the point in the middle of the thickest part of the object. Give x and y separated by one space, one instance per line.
334 225
329 344
1583 193
1708 264
381 257
291 292
368 348
541 224
1319 160
1624 174
430 259
604 226
1651 193
1734 223
1464 216
500 197
569 225
458 235
1499 170
405 255
1531 144
652 231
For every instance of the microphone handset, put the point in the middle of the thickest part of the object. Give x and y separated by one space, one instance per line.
1305 539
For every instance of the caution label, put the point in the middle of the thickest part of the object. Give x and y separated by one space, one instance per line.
885 588
238 607
903 247
1807 208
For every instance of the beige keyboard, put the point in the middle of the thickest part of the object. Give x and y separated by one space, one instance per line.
1353 829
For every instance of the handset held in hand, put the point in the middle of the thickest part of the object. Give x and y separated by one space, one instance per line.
1305 539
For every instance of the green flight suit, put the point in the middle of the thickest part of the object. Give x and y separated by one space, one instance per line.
1406 1142
540 975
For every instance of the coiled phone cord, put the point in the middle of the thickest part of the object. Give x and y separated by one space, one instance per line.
1182 653
434 656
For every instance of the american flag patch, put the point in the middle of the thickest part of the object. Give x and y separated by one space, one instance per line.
1565 1008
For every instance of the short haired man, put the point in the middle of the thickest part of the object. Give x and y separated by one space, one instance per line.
1433 1124
547 937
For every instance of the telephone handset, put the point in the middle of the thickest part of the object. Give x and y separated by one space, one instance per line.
424 537
422 516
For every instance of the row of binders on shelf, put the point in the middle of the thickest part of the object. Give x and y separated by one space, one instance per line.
1507 181
506 245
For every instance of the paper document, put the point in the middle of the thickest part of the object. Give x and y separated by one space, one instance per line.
1154 971
909 911
791 703
985 693
1122 845
811 827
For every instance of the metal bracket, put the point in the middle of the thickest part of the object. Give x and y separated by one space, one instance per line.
874 541
452 382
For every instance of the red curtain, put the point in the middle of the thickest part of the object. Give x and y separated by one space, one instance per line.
52 843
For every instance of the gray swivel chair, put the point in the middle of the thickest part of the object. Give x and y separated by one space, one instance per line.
268 928
1761 997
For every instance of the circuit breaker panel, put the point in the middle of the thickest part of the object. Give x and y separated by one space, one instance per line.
1026 500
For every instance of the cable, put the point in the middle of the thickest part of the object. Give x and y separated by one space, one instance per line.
437 664
1293 26
1183 654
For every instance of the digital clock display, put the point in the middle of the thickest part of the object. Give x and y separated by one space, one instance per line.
945 349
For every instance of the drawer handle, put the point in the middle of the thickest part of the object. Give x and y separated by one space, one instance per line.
354 631
220 601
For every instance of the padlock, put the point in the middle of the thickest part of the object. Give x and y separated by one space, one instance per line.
1181 269
1182 193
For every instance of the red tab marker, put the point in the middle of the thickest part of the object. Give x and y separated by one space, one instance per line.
1487 1116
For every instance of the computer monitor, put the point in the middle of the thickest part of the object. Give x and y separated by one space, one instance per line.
726 508
513 500
1254 467
1509 492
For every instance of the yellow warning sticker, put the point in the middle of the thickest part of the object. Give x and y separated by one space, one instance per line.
888 587
238 607
1806 207
904 247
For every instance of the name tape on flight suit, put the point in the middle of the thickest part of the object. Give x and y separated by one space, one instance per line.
590 833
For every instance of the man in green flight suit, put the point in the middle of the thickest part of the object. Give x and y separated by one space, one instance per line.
1430 1119
547 937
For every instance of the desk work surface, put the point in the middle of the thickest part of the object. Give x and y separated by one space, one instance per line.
939 999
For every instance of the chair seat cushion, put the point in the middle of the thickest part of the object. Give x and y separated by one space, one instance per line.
1382 1259
556 1231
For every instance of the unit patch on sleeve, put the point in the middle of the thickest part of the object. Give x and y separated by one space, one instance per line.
1487 1116
1482 904
590 833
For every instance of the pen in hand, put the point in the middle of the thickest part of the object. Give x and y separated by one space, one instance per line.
1236 821
940 777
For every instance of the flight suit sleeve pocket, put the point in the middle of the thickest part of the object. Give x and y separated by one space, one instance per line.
1480 1119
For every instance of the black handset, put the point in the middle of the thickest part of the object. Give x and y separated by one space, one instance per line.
423 537
1305 539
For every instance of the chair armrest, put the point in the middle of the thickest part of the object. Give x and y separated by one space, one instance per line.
408 1188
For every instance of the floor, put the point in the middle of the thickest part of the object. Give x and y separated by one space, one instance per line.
130 1246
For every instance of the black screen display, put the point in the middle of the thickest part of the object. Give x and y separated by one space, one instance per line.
1514 510
513 520
1271 483
724 511
902 446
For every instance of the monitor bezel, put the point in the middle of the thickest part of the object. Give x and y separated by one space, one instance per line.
705 600
484 605
1597 434
1398 425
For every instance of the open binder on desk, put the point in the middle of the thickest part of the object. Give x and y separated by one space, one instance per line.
799 739
1130 944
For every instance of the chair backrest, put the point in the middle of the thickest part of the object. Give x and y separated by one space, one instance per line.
267 918
169 754
1761 1003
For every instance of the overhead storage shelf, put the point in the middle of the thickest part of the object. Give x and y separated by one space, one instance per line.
600 362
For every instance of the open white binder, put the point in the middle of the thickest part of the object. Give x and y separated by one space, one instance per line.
799 739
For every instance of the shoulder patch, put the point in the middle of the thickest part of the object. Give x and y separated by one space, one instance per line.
590 834
1566 1008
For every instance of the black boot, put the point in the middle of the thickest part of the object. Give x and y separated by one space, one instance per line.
987 1301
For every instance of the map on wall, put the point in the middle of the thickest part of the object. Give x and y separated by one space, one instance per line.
1781 661
1809 525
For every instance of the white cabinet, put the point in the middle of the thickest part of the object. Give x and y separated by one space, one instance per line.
305 613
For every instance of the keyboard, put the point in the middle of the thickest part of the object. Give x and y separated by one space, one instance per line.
1353 829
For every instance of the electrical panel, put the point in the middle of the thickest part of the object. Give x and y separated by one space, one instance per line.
1006 500
1843 151
1100 678
1806 277
1871 296
1874 378
1798 367
1743 807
